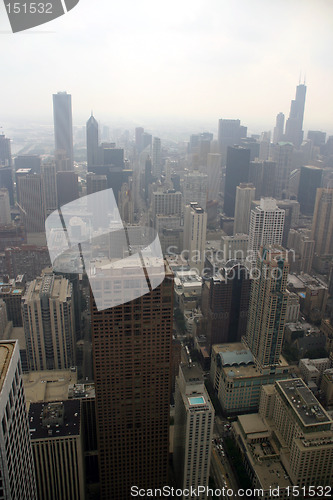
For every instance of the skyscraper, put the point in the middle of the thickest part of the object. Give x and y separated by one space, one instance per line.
237 171
67 187
282 155
63 128
92 142
230 132
309 182
245 194
156 157
195 229
6 181
131 347
226 297
294 124
194 422
268 306
49 182
195 188
5 151
214 172
57 443
322 222
31 200
279 128
5 217
17 474
48 319
266 226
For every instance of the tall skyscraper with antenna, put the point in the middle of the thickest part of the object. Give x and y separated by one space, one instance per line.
294 125
63 128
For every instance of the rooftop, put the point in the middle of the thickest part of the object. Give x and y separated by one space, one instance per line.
54 420
6 351
48 385
303 403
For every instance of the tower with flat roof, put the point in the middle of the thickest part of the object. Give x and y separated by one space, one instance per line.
131 352
17 473
268 306
48 320
63 128
194 422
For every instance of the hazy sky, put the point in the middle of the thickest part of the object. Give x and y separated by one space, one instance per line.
181 60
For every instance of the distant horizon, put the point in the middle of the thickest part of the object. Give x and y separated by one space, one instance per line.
188 63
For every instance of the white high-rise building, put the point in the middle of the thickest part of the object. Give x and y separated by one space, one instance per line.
194 421
266 226
17 473
195 230
195 188
4 207
166 203
245 194
48 320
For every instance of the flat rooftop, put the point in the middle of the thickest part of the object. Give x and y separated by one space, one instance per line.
192 373
252 424
48 385
303 402
6 351
44 421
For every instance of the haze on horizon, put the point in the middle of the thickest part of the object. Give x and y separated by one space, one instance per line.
179 61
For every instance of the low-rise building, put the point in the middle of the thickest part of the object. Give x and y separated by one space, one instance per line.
289 444
237 379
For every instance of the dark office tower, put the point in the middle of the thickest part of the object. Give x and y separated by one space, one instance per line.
28 161
63 128
67 187
132 350
227 298
230 132
96 183
6 181
139 131
310 180
5 151
31 200
238 160
92 142
147 140
279 128
268 306
111 156
317 137
253 145
294 125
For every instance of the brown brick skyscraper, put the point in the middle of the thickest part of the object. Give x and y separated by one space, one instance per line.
131 346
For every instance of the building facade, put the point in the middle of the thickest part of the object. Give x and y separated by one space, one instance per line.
17 473
131 351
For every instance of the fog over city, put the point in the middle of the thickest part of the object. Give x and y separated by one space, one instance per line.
178 63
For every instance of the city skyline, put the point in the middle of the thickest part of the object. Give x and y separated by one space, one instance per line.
165 61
